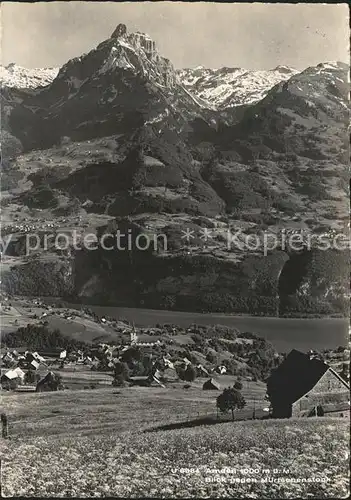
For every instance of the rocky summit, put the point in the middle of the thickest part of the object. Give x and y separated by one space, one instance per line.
117 139
115 88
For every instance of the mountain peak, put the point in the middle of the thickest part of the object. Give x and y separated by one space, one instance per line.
332 65
283 69
144 41
138 40
120 31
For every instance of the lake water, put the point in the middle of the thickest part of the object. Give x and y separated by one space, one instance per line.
283 333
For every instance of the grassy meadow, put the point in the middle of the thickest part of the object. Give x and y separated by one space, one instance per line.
93 443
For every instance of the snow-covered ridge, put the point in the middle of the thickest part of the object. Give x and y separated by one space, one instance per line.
18 77
226 87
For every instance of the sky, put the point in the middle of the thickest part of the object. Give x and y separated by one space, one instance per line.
253 36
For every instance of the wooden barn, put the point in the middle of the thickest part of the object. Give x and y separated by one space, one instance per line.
12 378
211 385
303 385
51 382
145 381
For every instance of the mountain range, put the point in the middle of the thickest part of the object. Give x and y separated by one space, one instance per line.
119 136
226 87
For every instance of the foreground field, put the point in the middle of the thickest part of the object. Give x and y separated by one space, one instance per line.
107 410
181 463
93 443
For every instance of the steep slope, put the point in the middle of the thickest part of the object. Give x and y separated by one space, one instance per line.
116 139
116 88
308 115
296 140
227 87
17 84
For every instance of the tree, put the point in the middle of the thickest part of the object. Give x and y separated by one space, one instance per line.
212 358
118 381
39 337
238 385
121 374
131 354
197 339
147 364
345 373
190 373
180 372
168 302
29 377
230 399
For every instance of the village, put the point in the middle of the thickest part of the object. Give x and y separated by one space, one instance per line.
37 358
20 368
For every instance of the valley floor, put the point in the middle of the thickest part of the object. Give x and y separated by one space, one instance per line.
93 443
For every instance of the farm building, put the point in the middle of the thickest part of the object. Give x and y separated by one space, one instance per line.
169 375
303 385
8 359
34 365
30 356
211 385
52 352
13 357
143 381
168 363
12 378
201 371
221 370
51 382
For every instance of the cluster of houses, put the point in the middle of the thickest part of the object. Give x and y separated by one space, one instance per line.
26 227
23 369
166 371
39 224
20 368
